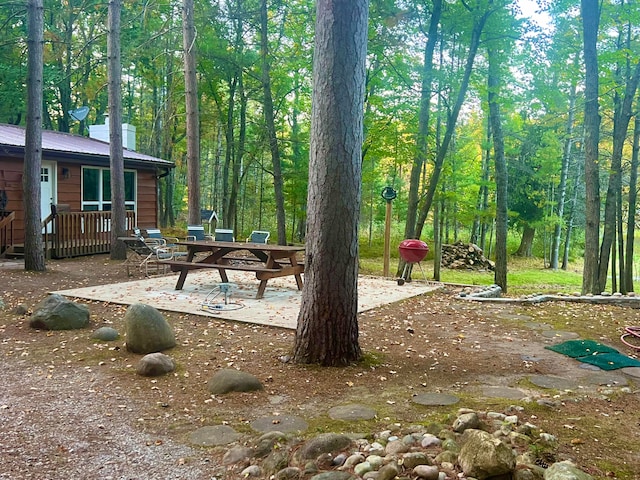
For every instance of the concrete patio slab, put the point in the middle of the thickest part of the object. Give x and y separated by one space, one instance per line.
279 307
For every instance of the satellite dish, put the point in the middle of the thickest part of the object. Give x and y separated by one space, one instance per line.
79 114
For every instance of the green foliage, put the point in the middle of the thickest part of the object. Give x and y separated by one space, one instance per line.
539 67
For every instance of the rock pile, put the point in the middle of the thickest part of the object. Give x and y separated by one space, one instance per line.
477 445
465 256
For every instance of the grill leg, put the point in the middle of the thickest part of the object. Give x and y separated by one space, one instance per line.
402 279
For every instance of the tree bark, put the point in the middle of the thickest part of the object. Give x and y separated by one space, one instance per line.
278 183
502 220
423 122
572 215
526 242
564 173
633 199
590 20
193 121
31 190
452 119
327 331
118 212
622 116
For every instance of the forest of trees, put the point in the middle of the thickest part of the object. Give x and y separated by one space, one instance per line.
459 94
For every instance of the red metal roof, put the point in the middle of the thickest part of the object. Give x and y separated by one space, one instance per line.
67 143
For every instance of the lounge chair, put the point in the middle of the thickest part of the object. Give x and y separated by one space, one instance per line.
259 236
196 233
224 235
146 256
151 235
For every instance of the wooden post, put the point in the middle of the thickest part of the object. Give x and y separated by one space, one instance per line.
388 193
387 239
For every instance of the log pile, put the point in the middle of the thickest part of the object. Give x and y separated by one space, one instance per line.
465 256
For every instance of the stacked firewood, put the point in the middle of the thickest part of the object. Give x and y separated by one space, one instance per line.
465 256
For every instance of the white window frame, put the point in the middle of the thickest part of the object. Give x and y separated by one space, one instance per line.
101 202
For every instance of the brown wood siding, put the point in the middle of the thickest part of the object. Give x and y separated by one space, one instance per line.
68 188
69 185
11 182
147 213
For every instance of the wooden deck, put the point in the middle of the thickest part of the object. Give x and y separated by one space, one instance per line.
74 234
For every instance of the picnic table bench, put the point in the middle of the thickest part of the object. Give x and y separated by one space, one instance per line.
266 260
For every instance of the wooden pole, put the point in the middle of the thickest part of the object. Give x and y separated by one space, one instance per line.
387 235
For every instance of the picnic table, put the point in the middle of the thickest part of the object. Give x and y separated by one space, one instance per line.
266 260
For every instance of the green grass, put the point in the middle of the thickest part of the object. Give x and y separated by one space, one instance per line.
525 275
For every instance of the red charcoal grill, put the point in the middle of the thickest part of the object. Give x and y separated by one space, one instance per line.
412 251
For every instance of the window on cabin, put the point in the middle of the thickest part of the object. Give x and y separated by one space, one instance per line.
96 189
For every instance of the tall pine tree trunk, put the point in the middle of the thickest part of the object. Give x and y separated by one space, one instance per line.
278 183
493 87
590 20
192 111
633 198
118 212
327 331
31 190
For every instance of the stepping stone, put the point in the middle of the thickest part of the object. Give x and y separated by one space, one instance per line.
503 392
279 423
633 372
214 435
277 399
352 412
557 383
588 366
435 399
538 326
531 358
559 335
514 316
605 378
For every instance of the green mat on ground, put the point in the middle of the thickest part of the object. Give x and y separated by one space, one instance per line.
610 361
594 353
581 348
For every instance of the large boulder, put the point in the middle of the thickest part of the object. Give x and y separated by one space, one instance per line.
483 456
147 330
58 313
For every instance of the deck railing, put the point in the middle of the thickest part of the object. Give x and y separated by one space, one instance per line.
72 234
6 230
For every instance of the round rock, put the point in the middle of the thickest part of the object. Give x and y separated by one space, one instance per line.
352 412
435 399
106 334
230 380
147 330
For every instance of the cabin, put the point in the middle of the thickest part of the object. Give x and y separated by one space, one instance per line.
75 192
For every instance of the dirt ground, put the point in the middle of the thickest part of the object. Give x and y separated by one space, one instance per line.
71 407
